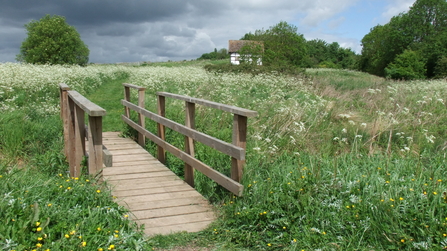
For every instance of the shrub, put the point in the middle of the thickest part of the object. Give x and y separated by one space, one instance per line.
407 66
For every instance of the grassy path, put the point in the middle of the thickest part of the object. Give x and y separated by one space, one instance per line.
109 96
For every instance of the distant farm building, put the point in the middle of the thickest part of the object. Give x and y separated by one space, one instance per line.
235 46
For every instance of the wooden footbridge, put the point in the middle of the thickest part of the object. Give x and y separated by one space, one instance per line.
156 197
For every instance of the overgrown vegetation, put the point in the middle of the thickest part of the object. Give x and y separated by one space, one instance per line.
336 160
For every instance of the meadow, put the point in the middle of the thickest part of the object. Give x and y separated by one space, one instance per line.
336 160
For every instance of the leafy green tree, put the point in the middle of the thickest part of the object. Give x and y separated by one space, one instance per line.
423 29
383 44
407 66
283 45
52 41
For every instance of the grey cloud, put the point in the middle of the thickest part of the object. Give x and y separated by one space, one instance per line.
151 30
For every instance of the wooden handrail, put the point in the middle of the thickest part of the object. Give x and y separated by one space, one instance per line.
223 107
73 109
236 149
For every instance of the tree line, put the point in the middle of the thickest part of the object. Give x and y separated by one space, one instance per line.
412 45
284 47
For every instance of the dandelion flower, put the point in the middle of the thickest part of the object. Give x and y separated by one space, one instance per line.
39 229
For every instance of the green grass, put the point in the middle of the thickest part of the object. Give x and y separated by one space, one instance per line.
108 96
336 160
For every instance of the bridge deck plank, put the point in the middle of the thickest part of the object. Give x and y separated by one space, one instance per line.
155 196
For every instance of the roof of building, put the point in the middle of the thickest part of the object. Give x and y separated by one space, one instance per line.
236 45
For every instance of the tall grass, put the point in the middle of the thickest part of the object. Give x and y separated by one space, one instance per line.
336 160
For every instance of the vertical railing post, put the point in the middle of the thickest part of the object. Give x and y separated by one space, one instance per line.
72 139
239 139
127 98
161 105
79 142
64 114
141 138
189 142
95 161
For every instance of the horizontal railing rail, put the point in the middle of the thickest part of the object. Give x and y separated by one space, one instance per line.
236 149
74 106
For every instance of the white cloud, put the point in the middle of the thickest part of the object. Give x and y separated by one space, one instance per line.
333 24
320 10
394 8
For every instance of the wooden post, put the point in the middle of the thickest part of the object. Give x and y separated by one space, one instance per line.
64 114
239 139
161 104
95 161
127 98
141 138
71 139
190 109
79 142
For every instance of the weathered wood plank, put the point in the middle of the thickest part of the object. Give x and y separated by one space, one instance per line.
193 200
95 147
140 175
161 105
170 211
134 169
135 192
223 107
118 146
148 187
134 86
190 110
88 106
141 180
132 151
177 219
138 163
131 158
160 196
188 227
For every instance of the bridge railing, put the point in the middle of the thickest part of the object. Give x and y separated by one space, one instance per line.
236 149
73 108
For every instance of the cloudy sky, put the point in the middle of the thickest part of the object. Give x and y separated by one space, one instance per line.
161 30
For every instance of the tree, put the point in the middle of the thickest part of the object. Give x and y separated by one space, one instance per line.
283 45
52 41
423 30
408 66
